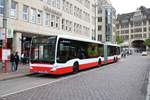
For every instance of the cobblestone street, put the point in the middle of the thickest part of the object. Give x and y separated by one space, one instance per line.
125 80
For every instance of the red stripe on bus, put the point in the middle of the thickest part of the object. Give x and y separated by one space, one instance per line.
60 71
85 66
110 60
102 62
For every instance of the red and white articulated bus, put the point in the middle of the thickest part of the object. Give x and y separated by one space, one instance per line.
62 54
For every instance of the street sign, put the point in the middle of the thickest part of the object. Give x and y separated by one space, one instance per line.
2 36
5 54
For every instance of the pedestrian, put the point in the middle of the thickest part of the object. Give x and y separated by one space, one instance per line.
23 58
12 61
124 53
16 58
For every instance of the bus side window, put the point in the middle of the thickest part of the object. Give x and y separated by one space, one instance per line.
72 52
81 53
92 51
66 51
101 50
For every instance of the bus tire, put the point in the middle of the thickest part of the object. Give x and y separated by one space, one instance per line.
99 63
75 67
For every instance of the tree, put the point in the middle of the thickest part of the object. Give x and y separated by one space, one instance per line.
119 39
147 42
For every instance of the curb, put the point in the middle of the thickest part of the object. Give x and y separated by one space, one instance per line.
148 88
14 77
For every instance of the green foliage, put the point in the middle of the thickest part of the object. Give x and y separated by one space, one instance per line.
119 39
147 42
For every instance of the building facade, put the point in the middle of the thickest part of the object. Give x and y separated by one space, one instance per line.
134 27
28 18
106 20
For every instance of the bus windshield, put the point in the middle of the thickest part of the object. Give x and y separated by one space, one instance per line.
43 49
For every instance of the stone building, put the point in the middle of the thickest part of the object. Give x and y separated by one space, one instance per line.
134 27
28 18
106 20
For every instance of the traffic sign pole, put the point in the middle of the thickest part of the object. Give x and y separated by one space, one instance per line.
5 47
5 23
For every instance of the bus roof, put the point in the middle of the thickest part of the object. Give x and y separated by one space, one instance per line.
110 44
78 38
82 39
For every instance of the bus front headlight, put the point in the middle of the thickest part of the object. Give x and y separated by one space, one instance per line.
53 69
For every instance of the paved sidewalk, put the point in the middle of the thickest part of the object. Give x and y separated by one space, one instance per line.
23 70
148 88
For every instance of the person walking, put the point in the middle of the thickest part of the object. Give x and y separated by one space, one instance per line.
23 58
12 61
16 59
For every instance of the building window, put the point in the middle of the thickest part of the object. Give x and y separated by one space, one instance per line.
132 24
63 24
52 20
144 35
57 22
39 17
144 23
126 31
53 3
70 26
126 37
47 19
25 13
99 27
145 29
117 26
99 19
75 29
33 15
1 6
87 4
13 11
67 25
131 30
118 32
99 37
49 2
99 11
58 2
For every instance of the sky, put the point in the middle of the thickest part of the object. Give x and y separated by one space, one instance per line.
127 6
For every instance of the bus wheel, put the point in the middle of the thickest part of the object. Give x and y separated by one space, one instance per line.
75 67
99 63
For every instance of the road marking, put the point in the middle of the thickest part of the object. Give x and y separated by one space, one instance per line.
148 88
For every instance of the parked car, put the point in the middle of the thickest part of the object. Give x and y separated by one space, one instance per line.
144 53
